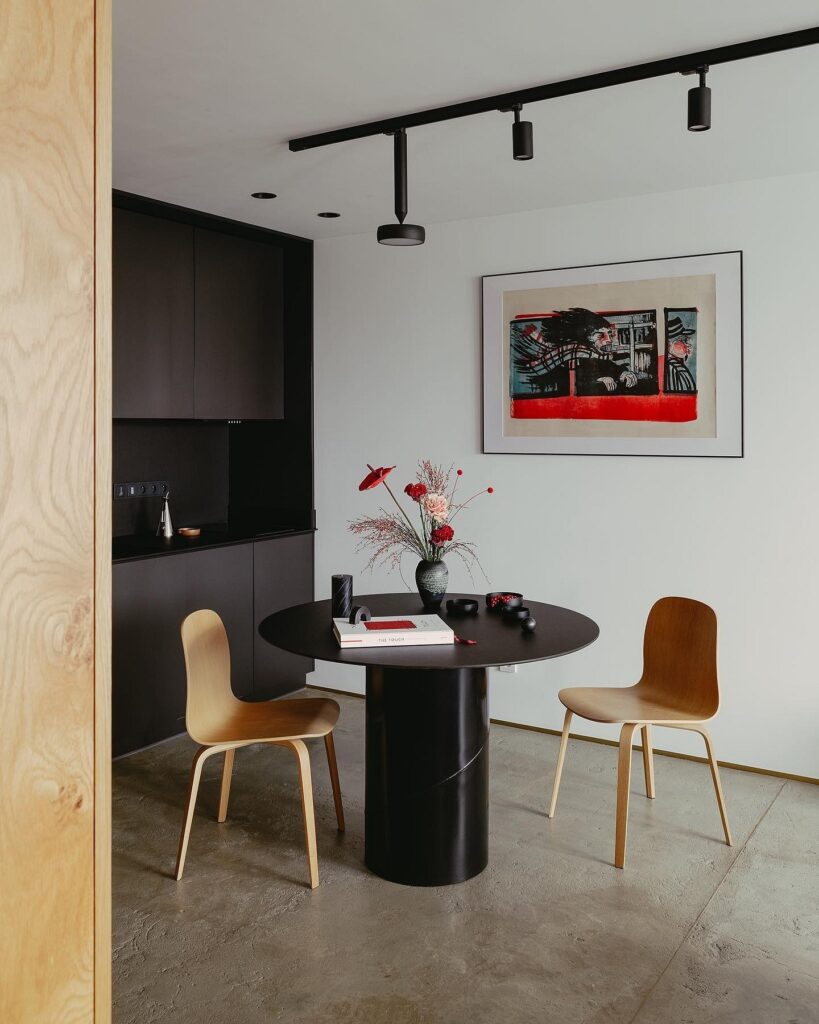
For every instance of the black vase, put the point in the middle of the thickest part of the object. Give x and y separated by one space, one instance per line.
431 578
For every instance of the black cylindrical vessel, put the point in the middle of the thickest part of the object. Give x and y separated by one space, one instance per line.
522 144
427 788
342 595
699 109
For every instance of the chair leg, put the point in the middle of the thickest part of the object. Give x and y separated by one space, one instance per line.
306 782
199 759
561 754
623 783
648 761
709 747
224 792
333 765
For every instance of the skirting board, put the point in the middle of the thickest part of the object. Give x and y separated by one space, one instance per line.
615 743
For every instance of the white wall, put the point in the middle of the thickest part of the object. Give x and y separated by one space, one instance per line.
398 378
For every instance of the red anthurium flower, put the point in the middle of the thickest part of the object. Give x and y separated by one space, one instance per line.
375 477
441 535
415 491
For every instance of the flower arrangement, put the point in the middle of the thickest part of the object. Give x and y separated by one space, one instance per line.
390 534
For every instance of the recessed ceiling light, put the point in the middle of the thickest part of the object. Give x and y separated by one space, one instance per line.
263 195
328 213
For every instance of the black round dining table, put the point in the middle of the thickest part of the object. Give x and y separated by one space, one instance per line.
427 726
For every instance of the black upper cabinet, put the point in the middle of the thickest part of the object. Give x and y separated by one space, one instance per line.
239 367
153 322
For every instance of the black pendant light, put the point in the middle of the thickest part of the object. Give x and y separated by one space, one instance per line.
699 104
522 145
401 233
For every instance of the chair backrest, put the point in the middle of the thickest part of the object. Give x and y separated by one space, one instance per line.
211 702
680 656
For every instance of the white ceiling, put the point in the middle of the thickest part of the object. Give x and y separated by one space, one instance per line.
207 93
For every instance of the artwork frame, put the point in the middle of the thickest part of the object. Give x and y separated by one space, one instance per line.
665 380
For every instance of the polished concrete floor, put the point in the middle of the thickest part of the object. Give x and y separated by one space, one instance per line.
690 932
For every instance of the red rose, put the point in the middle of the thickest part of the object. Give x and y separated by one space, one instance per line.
415 491
441 535
375 477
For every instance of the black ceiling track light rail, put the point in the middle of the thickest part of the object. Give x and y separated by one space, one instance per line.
685 63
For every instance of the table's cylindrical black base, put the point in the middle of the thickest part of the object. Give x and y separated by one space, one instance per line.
427 788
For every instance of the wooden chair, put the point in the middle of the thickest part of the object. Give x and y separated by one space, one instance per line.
678 690
220 723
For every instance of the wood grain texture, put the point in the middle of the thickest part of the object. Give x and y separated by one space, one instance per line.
102 515
679 688
51 623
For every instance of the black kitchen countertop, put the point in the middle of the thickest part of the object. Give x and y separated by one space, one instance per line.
131 548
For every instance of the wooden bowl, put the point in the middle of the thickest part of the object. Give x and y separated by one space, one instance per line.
190 531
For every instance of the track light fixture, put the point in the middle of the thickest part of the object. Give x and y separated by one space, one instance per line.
522 148
699 103
699 110
401 233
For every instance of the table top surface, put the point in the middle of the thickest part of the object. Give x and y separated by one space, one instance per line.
306 629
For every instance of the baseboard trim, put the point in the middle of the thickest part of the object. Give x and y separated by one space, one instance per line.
614 743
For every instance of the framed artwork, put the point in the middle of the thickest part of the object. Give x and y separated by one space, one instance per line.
638 358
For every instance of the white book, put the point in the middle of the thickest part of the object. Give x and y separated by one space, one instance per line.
393 631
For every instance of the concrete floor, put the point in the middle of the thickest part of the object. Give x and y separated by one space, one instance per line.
690 932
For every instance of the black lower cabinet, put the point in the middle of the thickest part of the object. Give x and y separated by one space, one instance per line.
151 597
282 576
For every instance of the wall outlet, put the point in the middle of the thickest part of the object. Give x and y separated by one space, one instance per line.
507 668
141 489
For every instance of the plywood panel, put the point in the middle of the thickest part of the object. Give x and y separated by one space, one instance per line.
102 516
53 627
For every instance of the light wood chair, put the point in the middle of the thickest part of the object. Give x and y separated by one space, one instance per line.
678 689
220 723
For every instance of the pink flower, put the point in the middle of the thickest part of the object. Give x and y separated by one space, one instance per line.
436 507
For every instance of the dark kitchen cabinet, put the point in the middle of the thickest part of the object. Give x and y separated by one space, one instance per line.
148 670
282 576
222 579
151 597
153 317
239 367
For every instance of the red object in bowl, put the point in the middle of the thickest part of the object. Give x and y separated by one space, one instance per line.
499 600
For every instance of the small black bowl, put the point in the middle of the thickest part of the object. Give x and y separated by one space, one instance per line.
499 600
462 606
516 614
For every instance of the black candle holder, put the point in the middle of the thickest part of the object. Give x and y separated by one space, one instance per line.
342 595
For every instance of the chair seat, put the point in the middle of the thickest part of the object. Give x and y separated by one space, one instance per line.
625 704
301 718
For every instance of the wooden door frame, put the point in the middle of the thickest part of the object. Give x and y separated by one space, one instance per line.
55 511
103 489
